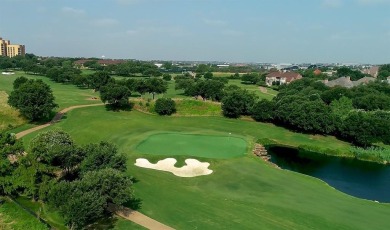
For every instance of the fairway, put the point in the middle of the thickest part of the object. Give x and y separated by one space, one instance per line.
208 146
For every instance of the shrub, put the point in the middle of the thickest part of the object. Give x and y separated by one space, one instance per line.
165 106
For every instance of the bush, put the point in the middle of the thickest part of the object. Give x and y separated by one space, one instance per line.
167 77
165 106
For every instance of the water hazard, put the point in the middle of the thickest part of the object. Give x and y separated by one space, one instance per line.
357 178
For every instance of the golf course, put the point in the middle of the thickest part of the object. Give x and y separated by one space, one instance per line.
242 192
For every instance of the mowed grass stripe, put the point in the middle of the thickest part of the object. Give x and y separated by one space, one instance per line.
196 145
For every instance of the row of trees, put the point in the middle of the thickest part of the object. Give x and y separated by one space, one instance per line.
311 107
78 181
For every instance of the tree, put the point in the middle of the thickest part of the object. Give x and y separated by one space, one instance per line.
251 78
208 75
202 68
156 86
102 155
99 79
56 148
84 201
165 106
78 206
237 102
167 77
34 99
263 110
9 146
342 107
19 81
116 95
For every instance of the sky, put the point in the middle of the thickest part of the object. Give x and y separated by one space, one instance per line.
275 31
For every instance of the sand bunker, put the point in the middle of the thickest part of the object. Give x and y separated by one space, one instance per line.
192 168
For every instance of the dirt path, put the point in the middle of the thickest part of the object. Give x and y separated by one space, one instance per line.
138 218
55 119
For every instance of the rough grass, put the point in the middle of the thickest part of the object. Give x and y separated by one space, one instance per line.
14 217
184 107
175 144
9 117
190 107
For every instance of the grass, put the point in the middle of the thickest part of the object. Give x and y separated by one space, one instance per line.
184 107
50 216
176 144
14 217
9 117
190 107
65 94
256 89
242 192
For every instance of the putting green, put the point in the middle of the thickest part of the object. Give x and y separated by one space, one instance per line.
175 144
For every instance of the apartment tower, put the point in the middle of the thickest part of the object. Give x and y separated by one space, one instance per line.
11 50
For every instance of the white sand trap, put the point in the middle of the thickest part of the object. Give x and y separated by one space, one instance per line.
192 168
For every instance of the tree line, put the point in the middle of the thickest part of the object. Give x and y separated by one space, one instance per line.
360 115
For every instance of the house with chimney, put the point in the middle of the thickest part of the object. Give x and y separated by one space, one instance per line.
280 78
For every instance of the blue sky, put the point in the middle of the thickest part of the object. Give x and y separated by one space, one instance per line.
290 31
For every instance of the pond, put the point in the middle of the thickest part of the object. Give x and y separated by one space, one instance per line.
361 179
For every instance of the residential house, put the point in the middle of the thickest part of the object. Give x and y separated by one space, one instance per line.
373 71
281 78
347 83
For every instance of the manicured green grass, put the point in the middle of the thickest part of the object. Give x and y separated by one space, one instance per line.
256 89
65 94
14 217
242 192
195 145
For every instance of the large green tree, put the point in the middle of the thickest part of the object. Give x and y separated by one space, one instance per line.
34 99
83 201
116 95
10 148
102 155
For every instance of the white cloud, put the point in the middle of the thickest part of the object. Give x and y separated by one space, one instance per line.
70 10
332 3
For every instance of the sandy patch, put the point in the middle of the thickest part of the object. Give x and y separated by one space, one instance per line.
192 168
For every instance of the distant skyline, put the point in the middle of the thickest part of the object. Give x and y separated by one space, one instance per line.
275 31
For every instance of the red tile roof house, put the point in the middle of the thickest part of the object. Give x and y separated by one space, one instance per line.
281 77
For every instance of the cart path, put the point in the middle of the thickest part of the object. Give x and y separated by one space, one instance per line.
123 212
138 218
265 91
55 119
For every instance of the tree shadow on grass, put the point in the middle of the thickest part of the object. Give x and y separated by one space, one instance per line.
134 203
117 108
104 223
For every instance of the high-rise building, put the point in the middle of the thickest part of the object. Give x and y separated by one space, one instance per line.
11 50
